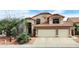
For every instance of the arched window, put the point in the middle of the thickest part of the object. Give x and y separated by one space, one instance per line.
37 21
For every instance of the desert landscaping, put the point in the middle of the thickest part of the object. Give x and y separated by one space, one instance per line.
41 30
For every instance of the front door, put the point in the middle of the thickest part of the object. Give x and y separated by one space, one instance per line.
29 29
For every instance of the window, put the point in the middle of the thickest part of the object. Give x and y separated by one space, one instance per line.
56 21
38 21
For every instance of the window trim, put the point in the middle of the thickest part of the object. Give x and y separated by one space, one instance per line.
38 21
56 22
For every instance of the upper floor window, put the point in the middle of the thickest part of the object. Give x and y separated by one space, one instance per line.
56 21
37 21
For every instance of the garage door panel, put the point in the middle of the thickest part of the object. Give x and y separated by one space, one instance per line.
63 32
52 32
46 32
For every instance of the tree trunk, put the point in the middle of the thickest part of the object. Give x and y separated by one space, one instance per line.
10 39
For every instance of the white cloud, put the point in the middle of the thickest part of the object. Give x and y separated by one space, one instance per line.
62 12
71 15
58 12
14 13
19 13
24 13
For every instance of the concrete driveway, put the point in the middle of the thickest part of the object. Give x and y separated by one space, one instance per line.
47 42
55 42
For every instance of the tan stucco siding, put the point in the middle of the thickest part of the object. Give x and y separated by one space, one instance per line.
53 17
43 18
31 21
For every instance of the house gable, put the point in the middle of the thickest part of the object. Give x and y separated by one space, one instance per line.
42 16
55 18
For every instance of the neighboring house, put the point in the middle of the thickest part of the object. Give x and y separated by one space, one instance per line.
75 21
51 25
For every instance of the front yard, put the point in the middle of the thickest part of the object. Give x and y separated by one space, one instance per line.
6 41
42 42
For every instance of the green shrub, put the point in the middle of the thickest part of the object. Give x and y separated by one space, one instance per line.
14 32
23 38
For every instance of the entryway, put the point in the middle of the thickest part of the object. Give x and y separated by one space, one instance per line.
29 27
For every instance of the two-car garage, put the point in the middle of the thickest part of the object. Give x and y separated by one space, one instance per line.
53 32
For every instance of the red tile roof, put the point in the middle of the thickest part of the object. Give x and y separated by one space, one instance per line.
64 24
74 19
57 15
42 13
29 18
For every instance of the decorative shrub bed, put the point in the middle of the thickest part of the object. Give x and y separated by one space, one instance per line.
23 38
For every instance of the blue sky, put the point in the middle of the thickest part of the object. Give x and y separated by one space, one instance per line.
30 13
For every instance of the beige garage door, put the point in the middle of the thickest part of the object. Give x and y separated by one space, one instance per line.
63 32
46 32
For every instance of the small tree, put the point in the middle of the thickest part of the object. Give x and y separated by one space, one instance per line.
14 32
7 25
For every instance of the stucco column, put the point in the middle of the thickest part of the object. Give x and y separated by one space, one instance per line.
36 32
32 29
70 31
73 31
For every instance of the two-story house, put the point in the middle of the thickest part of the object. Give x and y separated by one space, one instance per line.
51 25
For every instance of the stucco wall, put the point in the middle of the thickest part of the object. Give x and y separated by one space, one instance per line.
53 17
43 18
